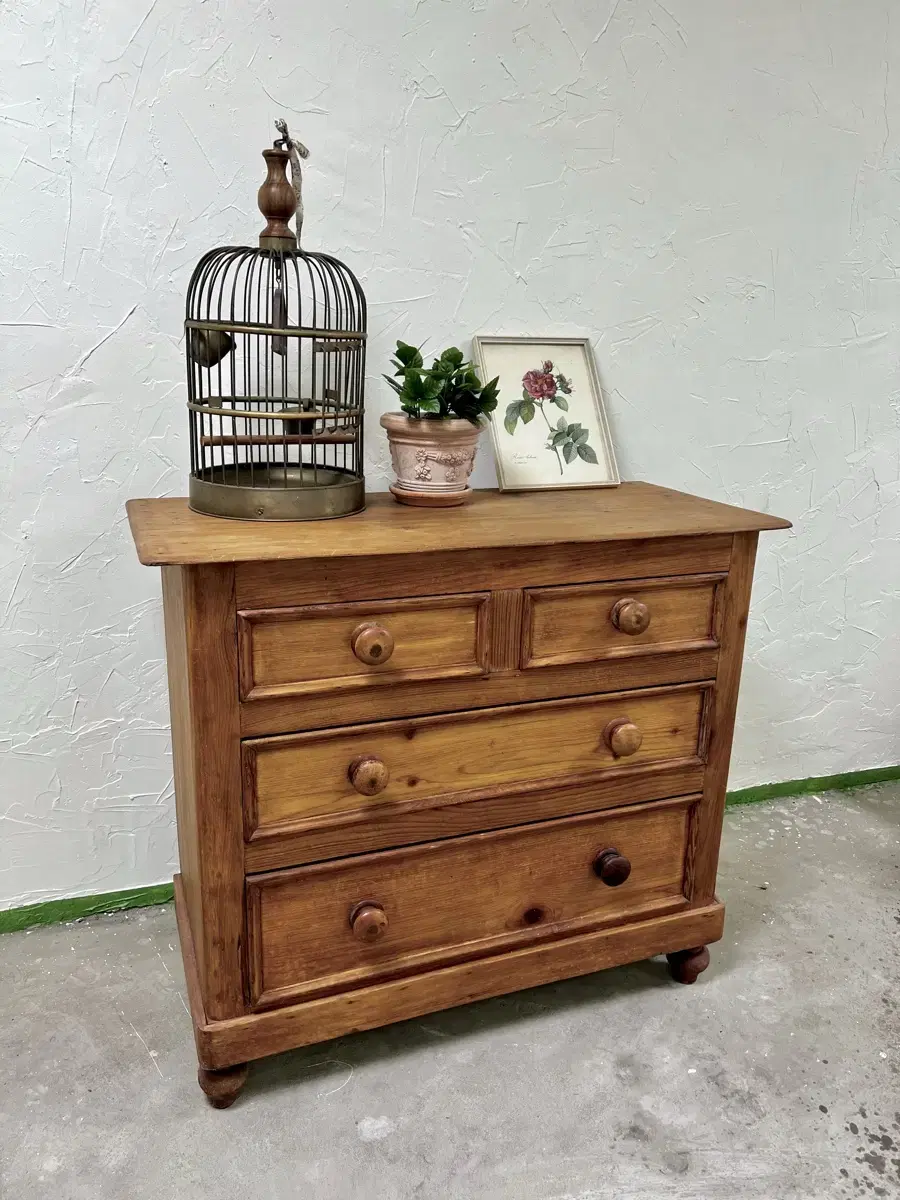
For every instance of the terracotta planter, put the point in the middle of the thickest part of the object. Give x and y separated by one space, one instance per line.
433 459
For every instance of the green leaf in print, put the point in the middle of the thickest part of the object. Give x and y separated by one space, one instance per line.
569 452
586 453
512 416
526 411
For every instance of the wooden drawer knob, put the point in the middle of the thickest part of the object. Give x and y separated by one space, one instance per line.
368 774
611 867
372 644
630 616
368 921
623 737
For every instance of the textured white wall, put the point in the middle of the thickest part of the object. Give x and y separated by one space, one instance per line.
707 188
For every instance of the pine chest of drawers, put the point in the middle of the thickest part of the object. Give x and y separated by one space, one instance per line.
423 757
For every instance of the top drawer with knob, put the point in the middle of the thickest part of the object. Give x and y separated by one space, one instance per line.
319 648
589 622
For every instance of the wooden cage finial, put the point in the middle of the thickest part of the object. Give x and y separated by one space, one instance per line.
277 202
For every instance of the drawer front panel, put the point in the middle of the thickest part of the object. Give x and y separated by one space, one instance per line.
464 756
458 899
640 616
335 647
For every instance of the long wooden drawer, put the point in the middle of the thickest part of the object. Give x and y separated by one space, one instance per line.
589 622
339 925
318 648
459 757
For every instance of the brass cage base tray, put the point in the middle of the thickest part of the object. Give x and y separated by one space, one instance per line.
308 495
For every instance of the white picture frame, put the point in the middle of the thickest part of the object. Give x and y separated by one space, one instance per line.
560 436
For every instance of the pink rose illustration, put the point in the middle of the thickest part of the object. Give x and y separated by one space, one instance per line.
539 384
567 440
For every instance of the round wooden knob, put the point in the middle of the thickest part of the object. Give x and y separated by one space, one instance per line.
630 616
368 774
611 867
623 737
372 644
368 921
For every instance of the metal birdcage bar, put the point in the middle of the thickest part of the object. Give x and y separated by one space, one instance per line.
276 346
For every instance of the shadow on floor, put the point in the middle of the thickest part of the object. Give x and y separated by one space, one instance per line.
327 1062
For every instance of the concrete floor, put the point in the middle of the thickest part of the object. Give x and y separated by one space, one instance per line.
776 1077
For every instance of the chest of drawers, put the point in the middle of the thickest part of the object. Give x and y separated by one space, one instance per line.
423 757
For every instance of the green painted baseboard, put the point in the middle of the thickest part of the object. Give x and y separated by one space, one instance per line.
53 912
818 783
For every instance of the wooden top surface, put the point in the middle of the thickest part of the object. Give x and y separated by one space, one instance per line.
167 532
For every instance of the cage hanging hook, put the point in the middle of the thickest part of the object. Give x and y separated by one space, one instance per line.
297 151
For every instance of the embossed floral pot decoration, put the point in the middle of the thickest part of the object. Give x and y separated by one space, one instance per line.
433 459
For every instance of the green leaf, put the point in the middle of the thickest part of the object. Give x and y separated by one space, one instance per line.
573 430
561 425
453 356
569 452
558 438
393 383
585 452
527 396
561 402
526 408
581 437
489 394
512 416
408 355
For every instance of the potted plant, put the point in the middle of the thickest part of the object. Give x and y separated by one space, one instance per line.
434 438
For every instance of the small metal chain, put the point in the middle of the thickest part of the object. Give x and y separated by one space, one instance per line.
297 151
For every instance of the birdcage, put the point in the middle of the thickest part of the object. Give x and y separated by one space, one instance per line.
276 347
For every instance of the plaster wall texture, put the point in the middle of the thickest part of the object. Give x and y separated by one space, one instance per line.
708 189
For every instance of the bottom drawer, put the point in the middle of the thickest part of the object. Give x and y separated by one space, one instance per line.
337 925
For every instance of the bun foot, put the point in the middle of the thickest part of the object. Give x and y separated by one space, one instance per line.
222 1088
686 966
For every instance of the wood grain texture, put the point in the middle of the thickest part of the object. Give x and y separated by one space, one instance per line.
465 756
575 624
189 959
411 699
735 611
183 751
521 885
506 629
297 651
271 584
200 619
270 1032
166 531
407 823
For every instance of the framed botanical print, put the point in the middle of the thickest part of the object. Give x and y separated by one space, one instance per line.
549 429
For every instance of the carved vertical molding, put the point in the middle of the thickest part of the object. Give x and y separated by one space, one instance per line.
506 630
